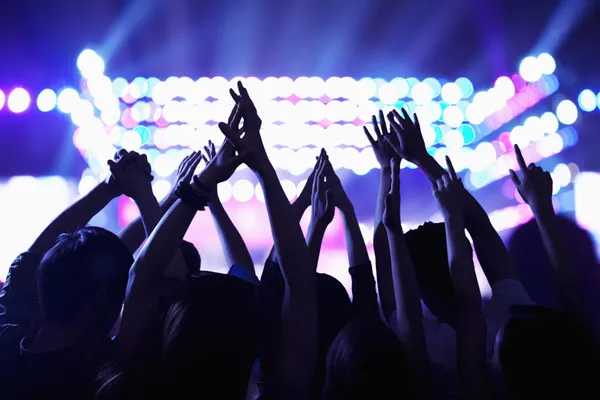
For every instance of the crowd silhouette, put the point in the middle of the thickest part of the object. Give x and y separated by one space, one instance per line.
83 318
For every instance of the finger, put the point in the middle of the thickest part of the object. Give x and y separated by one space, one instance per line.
369 137
319 183
440 183
235 140
212 148
235 121
376 127
195 160
204 158
532 166
451 168
235 96
520 159
232 113
515 178
397 127
111 164
120 154
417 124
391 143
447 180
384 130
406 117
207 151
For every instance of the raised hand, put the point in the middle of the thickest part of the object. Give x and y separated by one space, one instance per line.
338 194
449 193
186 169
251 141
391 214
224 162
323 207
408 142
304 198
131 174
535 187
382 149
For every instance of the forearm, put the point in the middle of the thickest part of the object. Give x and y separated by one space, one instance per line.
314 241
408 301
462 269
233 244
290 247
491 251
74 217
298 209
134 233
562 270
381 247
355 244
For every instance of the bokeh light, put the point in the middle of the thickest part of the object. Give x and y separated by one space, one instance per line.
2 99
530 69
46 100
566 111
587 100
18 100
546 63
90 64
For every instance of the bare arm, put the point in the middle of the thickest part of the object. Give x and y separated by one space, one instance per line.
383 264
409 315
469 322
535 187
298 330
233 244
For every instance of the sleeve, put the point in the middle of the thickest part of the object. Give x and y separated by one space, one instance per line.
19 293
505 294
364 294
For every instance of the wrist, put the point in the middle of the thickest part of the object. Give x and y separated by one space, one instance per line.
317 225
542 208
109 190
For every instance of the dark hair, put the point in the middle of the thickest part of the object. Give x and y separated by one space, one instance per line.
427 249
367 361
191 256
86 269
527 250
544 353
210 337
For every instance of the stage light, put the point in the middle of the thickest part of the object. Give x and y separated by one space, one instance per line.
451 93
468 133
67 100
224 191
46 100
534 128
466 87
422 93
561 175
566 112
530 69
587 100
366 88
453 117
402 86
504 87
546 63
90 64
18 100
243 190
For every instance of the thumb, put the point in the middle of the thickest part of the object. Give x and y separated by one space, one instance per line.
515 178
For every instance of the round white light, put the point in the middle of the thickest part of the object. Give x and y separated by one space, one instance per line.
18 100
566 112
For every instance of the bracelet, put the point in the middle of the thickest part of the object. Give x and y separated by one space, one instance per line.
188 195
205 189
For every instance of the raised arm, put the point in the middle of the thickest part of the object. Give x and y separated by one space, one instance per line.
298 333
491 251
469 322
535 187
80 212
135 232
409 316
156 256
383 267
323 211
234 247
364 295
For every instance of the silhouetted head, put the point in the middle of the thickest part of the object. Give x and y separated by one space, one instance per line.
82 280
427 249
527 250
191 256
367 361
210 338
543 354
